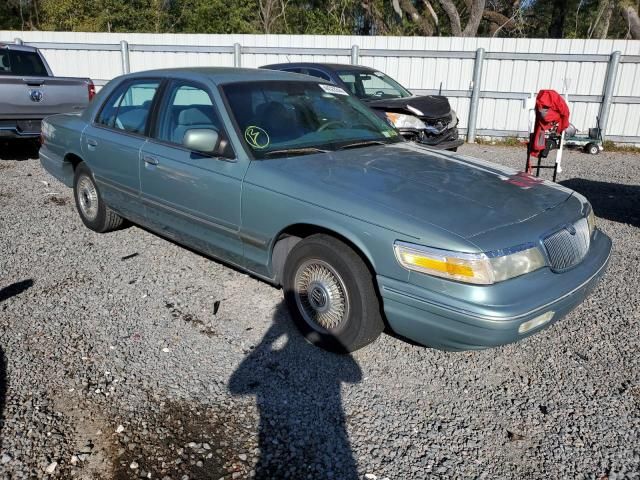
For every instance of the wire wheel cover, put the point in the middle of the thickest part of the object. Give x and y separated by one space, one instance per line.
88 198
321 295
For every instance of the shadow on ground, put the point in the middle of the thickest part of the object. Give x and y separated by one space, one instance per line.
613 201
15 289
3 391
303 431
6 293
19 149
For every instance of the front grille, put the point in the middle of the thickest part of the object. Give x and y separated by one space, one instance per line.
436 125
565 248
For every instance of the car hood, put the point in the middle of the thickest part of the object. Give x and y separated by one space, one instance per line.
428 106
409 188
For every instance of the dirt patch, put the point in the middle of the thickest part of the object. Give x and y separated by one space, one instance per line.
60 201
186 439
202 326
94 443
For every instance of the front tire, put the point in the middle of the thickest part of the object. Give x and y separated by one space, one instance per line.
95 214
331 295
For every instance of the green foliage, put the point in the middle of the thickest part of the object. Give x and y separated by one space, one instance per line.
526 18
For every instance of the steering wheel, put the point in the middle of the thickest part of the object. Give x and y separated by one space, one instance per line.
379 93
330 123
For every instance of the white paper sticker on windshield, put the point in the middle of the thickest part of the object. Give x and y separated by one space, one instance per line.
332 89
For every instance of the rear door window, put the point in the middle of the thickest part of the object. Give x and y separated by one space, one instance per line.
128 107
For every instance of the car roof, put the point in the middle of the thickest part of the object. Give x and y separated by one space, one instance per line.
17 47
221 75
333 67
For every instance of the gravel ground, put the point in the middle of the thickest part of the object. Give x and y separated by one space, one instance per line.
126 356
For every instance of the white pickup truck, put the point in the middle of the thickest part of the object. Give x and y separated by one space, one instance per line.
29 92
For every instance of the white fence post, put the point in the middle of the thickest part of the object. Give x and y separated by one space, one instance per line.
124 53
237 55
355 54
475 95
607 93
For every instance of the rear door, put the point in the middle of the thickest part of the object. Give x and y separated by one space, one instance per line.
113 142
192 197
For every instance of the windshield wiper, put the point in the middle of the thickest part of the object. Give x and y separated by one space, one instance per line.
366 143
295 151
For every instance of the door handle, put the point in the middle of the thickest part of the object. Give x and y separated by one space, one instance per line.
91 143
150 160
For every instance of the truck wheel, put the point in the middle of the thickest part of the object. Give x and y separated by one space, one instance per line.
592 149
330 293
94 213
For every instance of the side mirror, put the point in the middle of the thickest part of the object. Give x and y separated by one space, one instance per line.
202 140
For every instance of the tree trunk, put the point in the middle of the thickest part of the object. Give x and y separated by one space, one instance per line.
425 26
454 17
630 15
559 15
498 21
476 8
475 17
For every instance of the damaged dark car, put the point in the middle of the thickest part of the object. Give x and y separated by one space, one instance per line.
428 119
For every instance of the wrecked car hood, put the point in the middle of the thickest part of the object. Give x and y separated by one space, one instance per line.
427 106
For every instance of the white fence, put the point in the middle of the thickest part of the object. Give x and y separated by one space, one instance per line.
600 81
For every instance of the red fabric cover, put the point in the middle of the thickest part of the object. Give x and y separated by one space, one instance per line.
556 111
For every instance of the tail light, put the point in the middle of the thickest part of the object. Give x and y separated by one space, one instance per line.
91 90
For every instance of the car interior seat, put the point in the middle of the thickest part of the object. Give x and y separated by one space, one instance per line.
200 116
278 121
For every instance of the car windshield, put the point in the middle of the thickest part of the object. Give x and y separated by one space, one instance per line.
288 118
372 85
16 62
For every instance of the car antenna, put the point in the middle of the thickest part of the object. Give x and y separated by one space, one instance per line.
440 90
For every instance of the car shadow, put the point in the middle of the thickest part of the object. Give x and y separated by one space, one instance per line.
302 426
19 149
612 201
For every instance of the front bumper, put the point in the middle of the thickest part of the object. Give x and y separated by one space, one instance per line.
441 321
447 140
15 129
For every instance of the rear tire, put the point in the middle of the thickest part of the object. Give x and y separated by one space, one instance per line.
95 214
331 295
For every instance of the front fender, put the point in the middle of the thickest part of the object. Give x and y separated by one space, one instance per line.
266 215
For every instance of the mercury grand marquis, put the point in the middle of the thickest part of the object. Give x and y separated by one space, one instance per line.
291 179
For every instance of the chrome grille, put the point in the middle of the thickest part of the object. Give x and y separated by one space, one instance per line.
566 249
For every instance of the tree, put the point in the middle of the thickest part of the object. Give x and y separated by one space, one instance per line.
629 11
475 9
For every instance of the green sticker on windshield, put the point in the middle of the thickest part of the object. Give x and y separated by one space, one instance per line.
257 137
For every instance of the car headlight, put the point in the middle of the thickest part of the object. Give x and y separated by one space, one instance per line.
479 268
400 120
454 119
591 220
